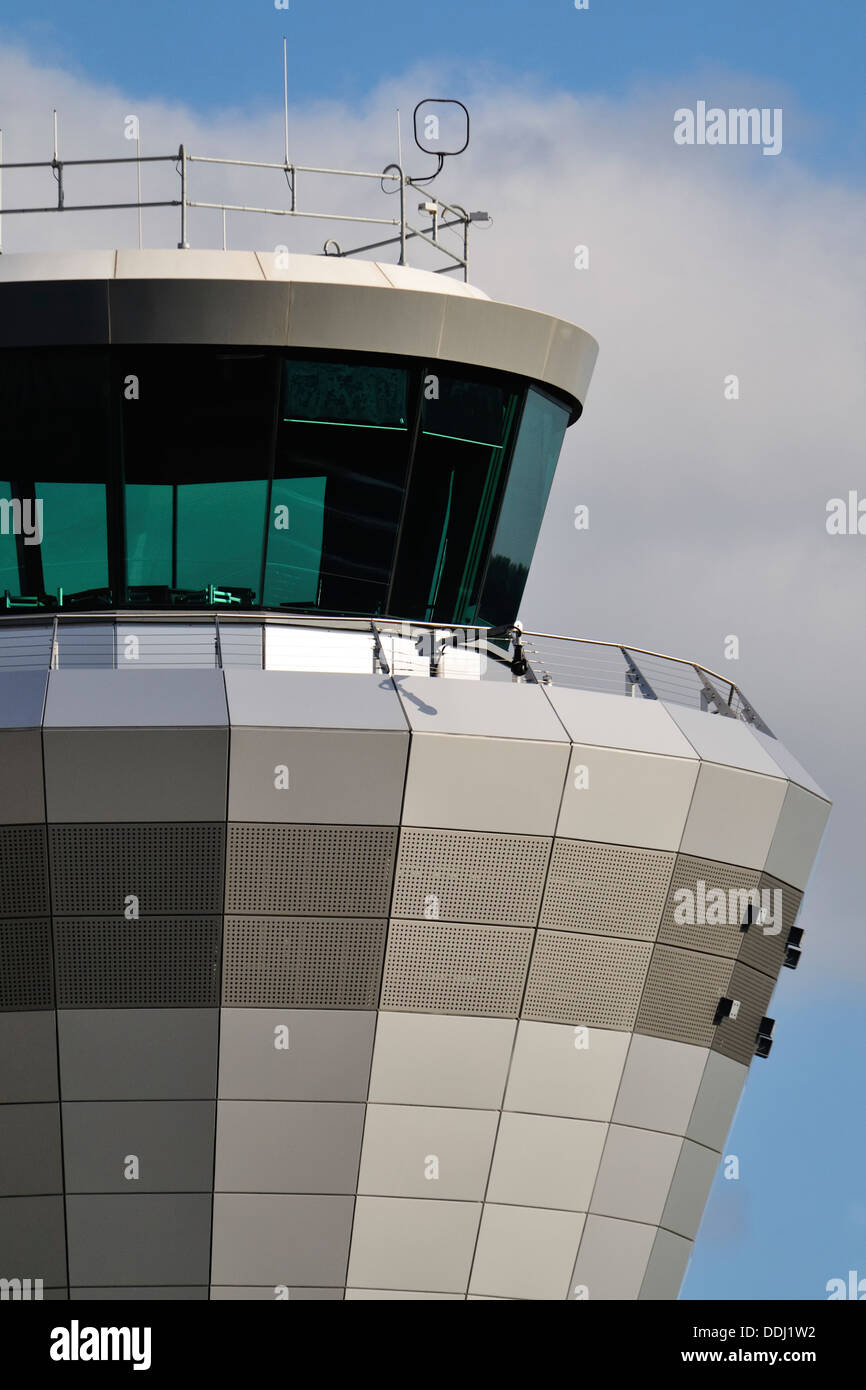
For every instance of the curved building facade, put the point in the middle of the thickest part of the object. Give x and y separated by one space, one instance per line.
353 943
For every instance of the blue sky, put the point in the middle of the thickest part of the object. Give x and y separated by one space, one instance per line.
747 259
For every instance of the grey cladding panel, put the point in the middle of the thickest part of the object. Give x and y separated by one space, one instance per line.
139 1238
173 1142
343 870
586 980
328 1057
138 1054
702 890
199 311
29 1152
26 968
136 775
143 699
28 1055
682 992
467 876
307 962
737 1037
110 963
169 868
312 700
606 889
22 797
32 1239
447 967
332 776
763 945
23 871
58 313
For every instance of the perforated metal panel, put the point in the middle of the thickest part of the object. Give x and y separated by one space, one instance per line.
325 963
23 871
607 889
719 939
586 980
682 991
169 868
26 970
329 870
112 963
448 967
737 1037
765 951
466 876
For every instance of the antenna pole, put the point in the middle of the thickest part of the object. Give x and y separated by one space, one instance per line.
399 141
138 166
286 98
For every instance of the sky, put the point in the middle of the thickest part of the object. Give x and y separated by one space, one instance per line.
707 515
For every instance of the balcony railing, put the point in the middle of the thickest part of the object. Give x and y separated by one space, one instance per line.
146 641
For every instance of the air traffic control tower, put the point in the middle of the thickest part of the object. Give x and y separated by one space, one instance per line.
354 943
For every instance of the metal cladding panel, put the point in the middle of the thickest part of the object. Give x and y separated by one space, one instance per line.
450 967
280 1239
667 1267
609 721
626 798
525 1252
168 868
70 312
733 815
763 945
300 870
288 1146
719 739
302 962
183 1293
138 1239
635 1174
681 995
110 963
396 1295
612 1260
23 871
138 1054
361 318
660 1083
22 795
402 1143
510 786
561 1070
480 709
268 1294
173 1141
409 1243
716 1101
139 699
606 889
32 1237
690 1188
798 836
198 311
786 762
26 964
466 876
136 775
421 1059
523 337
312 700
329 776
323 1054
737 1037
588 980
707 906
546 1161
28 1055
30 1161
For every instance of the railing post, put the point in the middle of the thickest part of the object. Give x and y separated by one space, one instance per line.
183 244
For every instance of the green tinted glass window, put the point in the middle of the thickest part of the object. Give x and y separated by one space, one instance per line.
75 536
536 452
295 531
9 521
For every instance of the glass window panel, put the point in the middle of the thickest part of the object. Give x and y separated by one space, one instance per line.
297 524
8 543
148 532
456 484
536 452
75 536
342 454
220 534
